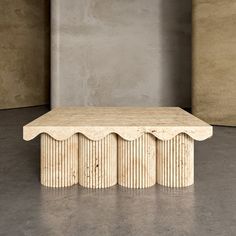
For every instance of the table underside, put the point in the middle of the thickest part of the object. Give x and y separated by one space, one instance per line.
112 160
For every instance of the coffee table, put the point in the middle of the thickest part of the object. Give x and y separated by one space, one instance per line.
135 147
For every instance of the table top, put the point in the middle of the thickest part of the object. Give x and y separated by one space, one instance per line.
128 122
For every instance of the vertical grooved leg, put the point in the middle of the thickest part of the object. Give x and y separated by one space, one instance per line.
175 161
137 162
59 161
98 162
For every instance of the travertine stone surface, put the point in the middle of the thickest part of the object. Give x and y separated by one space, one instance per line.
137 162
59 161
24 53
175 161
98 162
121 53
214 64
128 122
90 135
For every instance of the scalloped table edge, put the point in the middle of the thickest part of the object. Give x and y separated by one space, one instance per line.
198 133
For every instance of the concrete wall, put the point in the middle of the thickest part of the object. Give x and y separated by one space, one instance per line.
24 53
214 64
121 52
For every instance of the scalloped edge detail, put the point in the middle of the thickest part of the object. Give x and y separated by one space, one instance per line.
161 133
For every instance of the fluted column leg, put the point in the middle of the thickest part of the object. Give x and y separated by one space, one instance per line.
98 162
137 162
175 161
59 161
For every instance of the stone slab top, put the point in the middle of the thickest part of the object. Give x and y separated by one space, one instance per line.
128 122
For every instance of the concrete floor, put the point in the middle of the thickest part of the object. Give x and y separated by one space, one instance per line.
27 208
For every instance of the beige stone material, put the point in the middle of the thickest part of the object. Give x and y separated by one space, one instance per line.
137 162
88 137
98 162
175 161
214 64
128 122
24 53
59 161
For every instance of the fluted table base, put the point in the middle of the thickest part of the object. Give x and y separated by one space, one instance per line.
175 161
59 161
139 163
98 162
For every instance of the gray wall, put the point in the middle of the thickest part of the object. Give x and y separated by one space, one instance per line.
24 53
121 52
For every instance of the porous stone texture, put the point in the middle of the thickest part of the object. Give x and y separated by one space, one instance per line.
135 149
137 162
128 122
214 65
175 161
121 53
98 162
24 50
59 161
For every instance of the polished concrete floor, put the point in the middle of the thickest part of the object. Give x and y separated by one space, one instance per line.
27 208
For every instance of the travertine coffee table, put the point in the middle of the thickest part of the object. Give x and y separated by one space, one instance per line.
134 147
